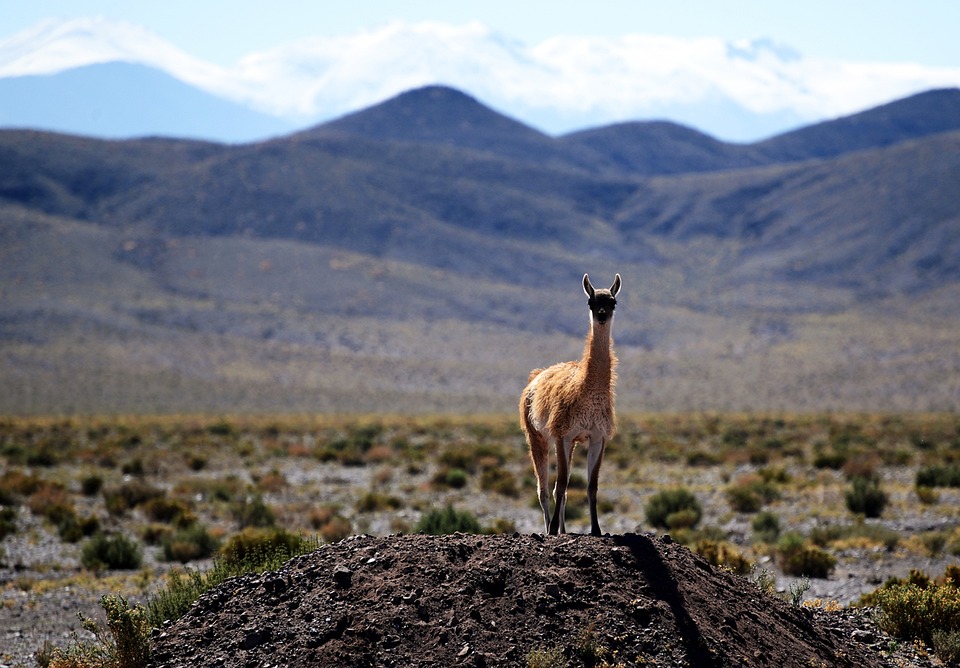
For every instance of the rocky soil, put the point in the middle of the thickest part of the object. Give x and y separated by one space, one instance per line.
512 600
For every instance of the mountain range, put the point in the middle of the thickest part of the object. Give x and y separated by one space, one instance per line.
112 79
424 253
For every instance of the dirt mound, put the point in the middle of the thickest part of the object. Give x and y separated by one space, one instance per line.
420 600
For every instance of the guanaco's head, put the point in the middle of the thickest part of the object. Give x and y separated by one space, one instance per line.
601 302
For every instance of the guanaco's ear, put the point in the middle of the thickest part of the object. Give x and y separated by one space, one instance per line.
587 287
615 288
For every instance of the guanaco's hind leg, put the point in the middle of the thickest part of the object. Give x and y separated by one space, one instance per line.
540 454
564 455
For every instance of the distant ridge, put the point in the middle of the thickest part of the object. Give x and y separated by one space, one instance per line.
920 115
667 148
449 117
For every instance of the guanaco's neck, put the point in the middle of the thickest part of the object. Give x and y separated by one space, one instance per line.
598 357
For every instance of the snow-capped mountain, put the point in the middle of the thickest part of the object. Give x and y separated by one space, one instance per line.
734 91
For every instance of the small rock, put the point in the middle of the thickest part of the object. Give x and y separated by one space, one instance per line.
342 576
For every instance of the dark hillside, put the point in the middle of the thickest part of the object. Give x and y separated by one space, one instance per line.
918 116
660 147
446 116
878 221
652 148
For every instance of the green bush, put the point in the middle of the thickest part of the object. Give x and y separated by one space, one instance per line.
911 611
448 520
865 497
253 512
189 544
766 527
373 501
126 646
91 485
674 509
750 492
824 535
939 475
722 553
258 546
797 557
456 478
129 495
8 521
72 528
499 480
116 551
170 511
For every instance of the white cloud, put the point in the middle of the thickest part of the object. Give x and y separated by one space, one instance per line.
571 80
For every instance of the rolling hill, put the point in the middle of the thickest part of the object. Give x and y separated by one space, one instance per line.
425 253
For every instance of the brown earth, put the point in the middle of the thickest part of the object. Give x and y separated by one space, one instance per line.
512 600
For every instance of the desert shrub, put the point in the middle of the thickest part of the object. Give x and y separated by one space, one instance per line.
830 459
253 512
222 428
499 480
129 495
928 496
546 658
797 557
722 553
674 509
858 531
72 528
124 644
189 544
331 525
214 489
91 485
750 492
865 497
171 511
946 645
703 458
373 501
196 462
911 611
456 478
939 475
259 546
116 551
51 501
8 521
271 482
134 467
351 448
448 520
15 484
766 527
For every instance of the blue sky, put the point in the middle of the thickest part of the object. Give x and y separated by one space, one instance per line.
221 31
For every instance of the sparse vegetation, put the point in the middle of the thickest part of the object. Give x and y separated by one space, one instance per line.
114 551
924 610
674 509
448 520
865 497
174 512
798 557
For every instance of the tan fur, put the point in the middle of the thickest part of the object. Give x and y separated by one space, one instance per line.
571 403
